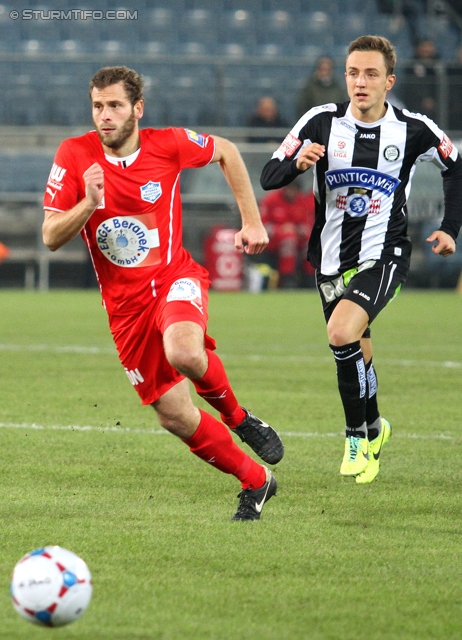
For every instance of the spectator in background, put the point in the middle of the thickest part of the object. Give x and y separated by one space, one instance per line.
288 216
267 115
410 10
419 87
322 87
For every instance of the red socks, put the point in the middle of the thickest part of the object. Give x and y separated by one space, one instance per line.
214 387
213 443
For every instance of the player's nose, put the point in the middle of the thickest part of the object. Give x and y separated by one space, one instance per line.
105 113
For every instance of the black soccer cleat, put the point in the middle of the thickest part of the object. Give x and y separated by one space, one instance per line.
260 437
251 501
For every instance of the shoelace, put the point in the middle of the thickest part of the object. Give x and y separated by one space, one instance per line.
354 446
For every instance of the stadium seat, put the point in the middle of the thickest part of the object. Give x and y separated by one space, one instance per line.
238 27
25 171
275 27
161 25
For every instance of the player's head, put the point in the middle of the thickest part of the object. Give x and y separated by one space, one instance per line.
132 82
379 44
369 76
116 94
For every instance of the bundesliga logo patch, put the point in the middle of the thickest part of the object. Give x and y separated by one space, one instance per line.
197 138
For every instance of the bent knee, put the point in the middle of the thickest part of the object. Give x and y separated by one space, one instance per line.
191 363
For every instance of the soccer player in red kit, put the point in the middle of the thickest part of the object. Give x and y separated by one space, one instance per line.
119 186
288 217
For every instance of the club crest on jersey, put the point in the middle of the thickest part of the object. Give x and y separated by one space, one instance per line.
391 153
358 204
363 178
151 191
126 241
197 138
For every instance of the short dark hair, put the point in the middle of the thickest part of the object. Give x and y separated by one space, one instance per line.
376 43
132 81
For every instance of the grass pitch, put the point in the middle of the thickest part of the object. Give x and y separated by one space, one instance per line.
84 466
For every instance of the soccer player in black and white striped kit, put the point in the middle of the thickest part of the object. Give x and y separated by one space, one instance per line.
363 153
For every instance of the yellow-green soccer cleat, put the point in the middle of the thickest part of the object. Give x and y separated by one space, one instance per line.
356 456
375 449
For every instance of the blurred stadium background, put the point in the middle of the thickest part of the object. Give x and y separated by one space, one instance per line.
205 63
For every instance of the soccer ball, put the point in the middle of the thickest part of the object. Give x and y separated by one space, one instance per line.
51 586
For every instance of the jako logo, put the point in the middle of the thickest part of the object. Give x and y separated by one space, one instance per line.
360 293
369 136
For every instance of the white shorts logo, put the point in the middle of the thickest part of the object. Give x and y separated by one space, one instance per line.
126 241
184 289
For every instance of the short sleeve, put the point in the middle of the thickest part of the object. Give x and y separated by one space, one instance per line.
62 188
194 149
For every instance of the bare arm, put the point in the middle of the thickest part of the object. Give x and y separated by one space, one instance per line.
60 227
252 238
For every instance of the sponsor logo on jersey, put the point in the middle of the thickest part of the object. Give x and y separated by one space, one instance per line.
367 136
445 147
197 138
126 241
361 177
151 191
349 126
289 145
391 153
358 204
56 176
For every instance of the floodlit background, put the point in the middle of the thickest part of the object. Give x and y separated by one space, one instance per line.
206 63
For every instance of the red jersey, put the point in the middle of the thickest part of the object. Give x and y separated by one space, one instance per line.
135 235
276 210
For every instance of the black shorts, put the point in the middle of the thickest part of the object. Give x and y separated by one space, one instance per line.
372 285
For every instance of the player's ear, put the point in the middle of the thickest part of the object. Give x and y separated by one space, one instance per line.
391 81
138 109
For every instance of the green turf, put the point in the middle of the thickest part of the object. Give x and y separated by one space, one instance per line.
329 560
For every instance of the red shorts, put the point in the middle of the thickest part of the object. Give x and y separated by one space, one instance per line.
138 338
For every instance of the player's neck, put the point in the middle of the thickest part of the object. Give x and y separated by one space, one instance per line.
374 114
129 147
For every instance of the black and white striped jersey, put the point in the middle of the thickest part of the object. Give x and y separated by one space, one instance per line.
362 183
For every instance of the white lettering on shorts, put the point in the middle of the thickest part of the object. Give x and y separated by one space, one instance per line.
134 376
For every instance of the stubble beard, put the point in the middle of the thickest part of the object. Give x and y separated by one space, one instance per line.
121 136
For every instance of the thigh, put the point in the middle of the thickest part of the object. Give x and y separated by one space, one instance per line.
185 300
140 347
